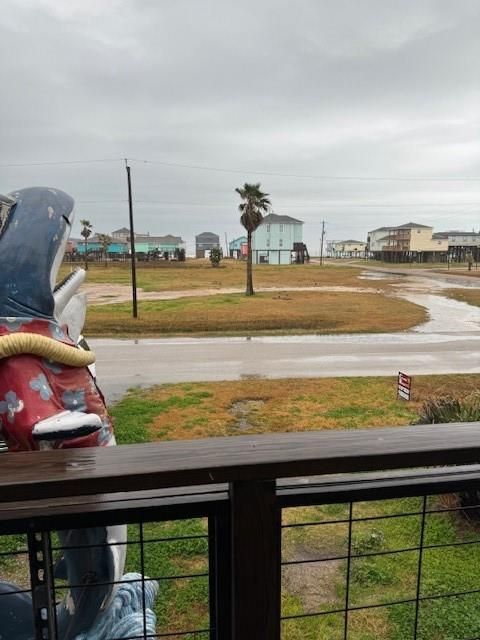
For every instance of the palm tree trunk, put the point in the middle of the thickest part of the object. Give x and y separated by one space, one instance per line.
86 261
249 291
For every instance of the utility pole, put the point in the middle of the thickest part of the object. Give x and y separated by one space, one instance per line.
227 253
321 242
132 243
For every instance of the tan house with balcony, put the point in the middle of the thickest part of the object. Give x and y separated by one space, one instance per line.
409 242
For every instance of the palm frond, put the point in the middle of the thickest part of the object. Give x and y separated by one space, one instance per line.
255 201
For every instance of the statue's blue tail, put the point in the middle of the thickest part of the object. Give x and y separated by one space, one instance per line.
124 617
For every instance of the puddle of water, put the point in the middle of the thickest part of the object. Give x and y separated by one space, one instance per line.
445 314
251 376
242 410
378 275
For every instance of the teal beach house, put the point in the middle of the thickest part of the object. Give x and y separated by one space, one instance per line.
274 241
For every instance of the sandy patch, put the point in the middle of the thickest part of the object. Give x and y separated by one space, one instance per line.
101 293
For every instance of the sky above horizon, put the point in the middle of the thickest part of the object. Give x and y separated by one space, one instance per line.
362 114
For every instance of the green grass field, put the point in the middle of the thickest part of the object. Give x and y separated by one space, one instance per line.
200 410
172 412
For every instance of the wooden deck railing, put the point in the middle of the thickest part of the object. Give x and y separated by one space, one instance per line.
241 485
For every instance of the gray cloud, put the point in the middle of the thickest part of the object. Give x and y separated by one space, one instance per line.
316 87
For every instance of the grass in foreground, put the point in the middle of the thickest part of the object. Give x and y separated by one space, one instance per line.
283 312
263 406
207 409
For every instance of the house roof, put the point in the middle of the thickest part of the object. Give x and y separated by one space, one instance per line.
350 242
168 239
408 225
456 233
273 218
122 230
413 225
207 234
381 229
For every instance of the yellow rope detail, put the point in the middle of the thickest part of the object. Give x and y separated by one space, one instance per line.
34 344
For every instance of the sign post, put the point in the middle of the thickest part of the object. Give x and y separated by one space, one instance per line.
404 386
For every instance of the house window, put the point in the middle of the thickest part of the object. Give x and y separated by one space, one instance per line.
281 228
280 243
268 228
268 242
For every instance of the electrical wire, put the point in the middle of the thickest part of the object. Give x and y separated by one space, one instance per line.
57 162
307 176
291 205
250 171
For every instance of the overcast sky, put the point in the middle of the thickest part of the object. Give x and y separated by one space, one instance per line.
317 90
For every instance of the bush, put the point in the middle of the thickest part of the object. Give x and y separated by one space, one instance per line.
449 409
179 254
215 256
368 542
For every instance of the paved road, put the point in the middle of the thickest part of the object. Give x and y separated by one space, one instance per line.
125 363
449 342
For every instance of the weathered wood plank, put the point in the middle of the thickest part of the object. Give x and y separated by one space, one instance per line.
255 521
74 472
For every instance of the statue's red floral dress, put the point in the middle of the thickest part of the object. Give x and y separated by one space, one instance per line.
33 389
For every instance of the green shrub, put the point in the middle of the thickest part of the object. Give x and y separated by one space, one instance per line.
449 409
215 256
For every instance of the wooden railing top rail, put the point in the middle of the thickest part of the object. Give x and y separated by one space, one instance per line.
73 472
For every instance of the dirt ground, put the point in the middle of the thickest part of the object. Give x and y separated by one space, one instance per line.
103 293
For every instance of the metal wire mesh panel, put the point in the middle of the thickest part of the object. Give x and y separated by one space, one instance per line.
167 569
386 570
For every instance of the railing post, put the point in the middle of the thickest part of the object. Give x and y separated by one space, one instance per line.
220 572
42 584
256 571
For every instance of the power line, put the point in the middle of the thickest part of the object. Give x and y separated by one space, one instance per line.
58 162
252 172
309 177
315 205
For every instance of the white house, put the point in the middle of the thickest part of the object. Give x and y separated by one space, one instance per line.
277 239
347 249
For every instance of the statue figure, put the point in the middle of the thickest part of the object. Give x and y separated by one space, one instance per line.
49 399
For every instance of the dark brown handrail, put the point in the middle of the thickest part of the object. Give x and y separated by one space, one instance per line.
62 473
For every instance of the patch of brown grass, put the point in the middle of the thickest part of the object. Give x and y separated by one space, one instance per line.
470 296
199 274
299 311
462 271
295 405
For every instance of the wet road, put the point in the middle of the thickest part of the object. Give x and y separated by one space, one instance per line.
448 343
125 363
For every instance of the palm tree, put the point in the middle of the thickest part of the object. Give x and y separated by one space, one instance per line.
255 202
105 240
86 232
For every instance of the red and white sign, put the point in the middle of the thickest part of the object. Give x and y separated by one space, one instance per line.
404 387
